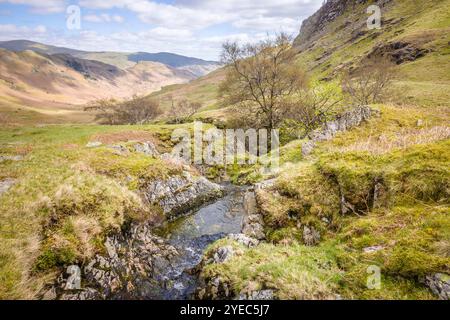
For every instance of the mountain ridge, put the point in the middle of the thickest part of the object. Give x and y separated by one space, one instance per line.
171 59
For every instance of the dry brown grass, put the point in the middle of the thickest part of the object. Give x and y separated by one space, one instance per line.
402 140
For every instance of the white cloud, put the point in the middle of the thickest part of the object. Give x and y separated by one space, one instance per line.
188 27
41 6
103 17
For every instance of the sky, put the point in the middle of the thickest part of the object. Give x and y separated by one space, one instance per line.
195 28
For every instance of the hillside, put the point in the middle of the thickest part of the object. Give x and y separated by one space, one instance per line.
414 33
197 67
41 87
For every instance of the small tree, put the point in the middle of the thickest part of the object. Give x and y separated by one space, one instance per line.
183 110
260 77
369 82
137 110
310 108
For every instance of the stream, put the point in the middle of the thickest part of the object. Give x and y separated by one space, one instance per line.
192 234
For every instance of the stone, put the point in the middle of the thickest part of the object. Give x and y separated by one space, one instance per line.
419 123
343 122
10 158
257 295
311 236
439 284
372 249
120 150
146 148
254 230
6 184
244 240
132 258
223 254
307 147
250 205
180 194
93 144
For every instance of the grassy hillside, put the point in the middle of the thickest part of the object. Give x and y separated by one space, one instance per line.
38 88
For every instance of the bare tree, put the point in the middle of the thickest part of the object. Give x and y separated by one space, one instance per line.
369 82
259 79
183 110
137 110
314 105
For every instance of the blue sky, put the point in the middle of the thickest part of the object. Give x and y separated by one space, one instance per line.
189 27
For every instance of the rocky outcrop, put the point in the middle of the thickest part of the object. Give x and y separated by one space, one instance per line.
439 284
253 223
133 268
244 240
315 26
344 122
180 194
146 148
399 52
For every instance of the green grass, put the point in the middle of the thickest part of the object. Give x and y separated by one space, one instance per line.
66 198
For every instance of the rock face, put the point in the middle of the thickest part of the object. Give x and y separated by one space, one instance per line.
315 26
133 268
180 194
440 285
147 148
252 225
399 52
344 122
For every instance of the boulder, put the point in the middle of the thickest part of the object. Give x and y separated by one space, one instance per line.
244 240
180 194
146 148
311 236
223 254
439 284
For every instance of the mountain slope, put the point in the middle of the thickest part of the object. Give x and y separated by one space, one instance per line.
414 33
60 84
197 67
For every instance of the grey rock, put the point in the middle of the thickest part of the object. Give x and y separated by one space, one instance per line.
307 147
372 249
147 148
250 205
244 240
10 158
132 259
265 184
311 236
343 122
120 150
180 194
6 184
93 144
253 230
223 254
439 284
257 295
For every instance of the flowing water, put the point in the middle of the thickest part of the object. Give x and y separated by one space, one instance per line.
192 234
